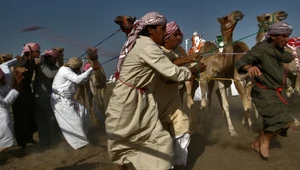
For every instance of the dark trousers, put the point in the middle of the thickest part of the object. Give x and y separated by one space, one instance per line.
24 121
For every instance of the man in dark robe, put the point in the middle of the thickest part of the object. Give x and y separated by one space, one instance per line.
265 63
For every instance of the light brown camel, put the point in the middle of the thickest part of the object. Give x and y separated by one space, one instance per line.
217 67
203 47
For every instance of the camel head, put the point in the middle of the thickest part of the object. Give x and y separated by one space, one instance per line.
5 57
265 20
125 23
229 22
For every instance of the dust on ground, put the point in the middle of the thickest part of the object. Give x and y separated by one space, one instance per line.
212 150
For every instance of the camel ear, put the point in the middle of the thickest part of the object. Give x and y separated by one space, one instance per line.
257 18
219 19
119 19
134 18
131 19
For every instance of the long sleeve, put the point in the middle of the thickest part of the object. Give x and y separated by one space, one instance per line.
156 59
11 62
253 56
10 97
287 57
78 79
49 73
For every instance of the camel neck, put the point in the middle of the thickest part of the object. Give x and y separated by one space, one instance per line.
260 35
227 42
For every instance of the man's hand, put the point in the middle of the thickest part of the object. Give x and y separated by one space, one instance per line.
254 71
198 68
195 57
18 73
201 66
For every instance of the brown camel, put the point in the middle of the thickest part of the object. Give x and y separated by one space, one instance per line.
92 92
125 23
217 67
5 57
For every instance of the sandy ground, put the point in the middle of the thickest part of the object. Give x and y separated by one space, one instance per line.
212 150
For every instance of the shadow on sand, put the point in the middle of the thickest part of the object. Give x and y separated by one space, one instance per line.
89 166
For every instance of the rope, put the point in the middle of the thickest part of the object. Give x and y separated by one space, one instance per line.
203 54
102 41
206 54
215 78
200 54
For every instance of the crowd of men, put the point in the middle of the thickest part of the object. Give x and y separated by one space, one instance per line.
145 124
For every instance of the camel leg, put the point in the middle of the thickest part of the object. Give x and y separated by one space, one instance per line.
245 96
200 126
89 100
203 88
189 86
206 109
210 90
225 106
297 84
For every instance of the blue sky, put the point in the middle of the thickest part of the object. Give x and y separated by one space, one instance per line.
90 21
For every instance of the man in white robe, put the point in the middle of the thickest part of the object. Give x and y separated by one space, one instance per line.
7 96
71 116
136 138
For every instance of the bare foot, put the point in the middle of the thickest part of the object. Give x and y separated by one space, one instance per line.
255 146
264 147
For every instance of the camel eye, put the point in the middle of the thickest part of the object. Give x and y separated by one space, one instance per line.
267 17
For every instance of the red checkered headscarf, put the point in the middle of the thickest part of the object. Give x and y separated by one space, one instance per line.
151 18
171 28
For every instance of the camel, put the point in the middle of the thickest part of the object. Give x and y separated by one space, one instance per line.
92 92
5 57
203 47
217 67
125 23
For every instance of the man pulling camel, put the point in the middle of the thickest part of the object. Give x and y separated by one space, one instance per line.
265 63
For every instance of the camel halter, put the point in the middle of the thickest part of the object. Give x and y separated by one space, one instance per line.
266 23
294 44
230 29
